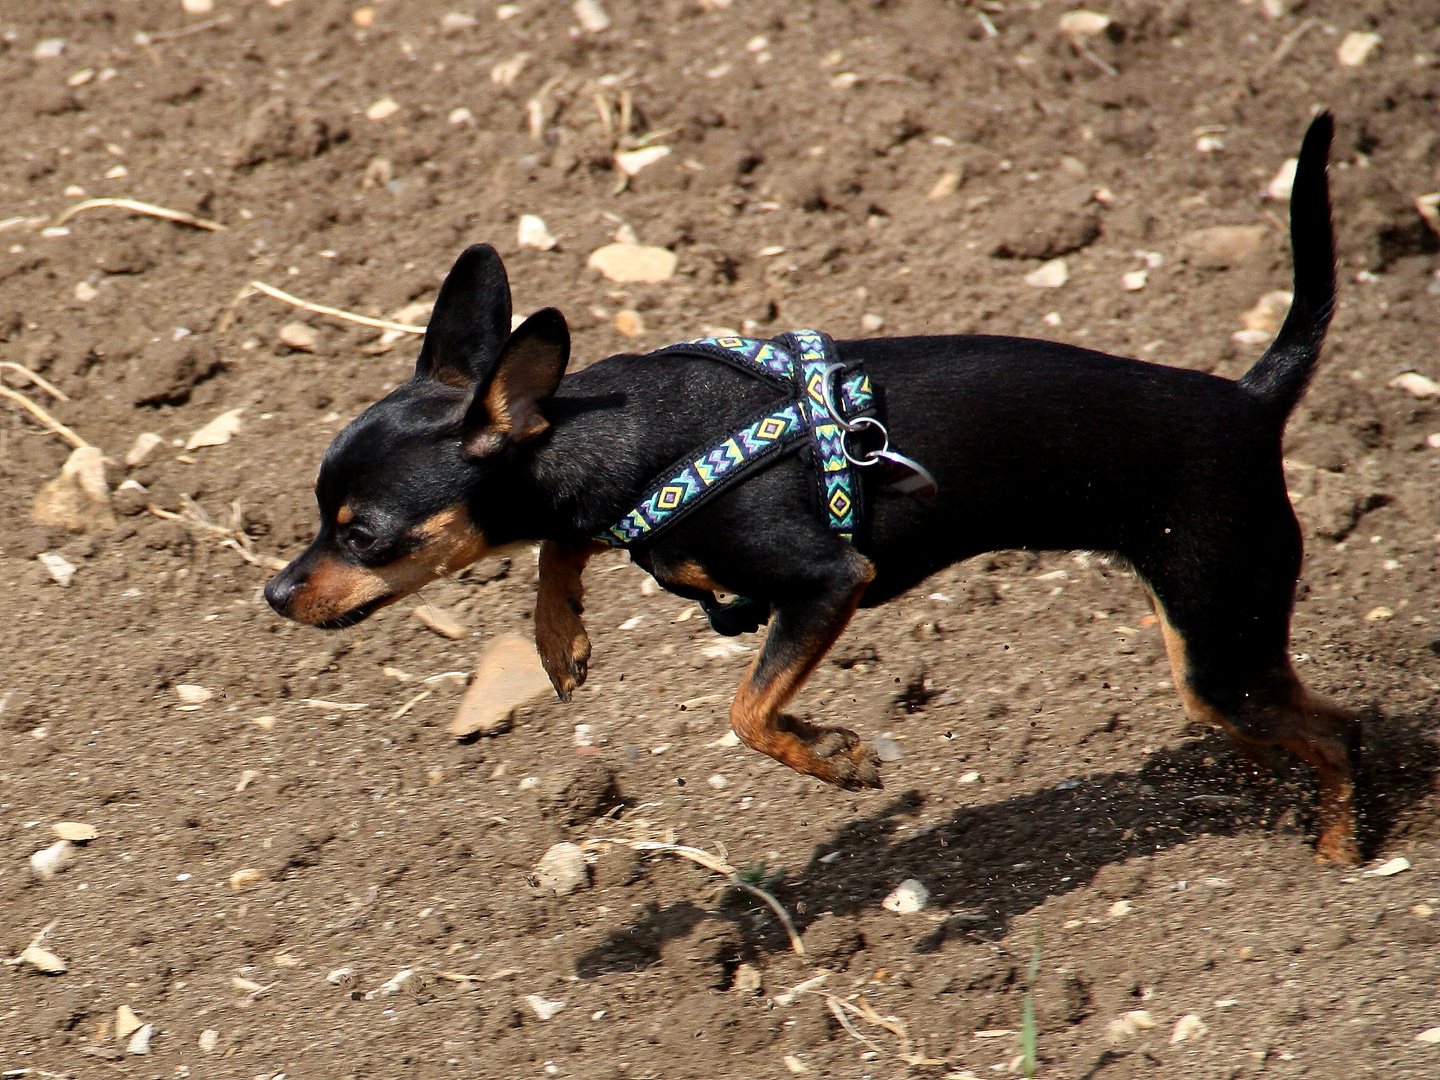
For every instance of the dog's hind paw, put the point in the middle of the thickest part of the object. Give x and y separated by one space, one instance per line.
843 759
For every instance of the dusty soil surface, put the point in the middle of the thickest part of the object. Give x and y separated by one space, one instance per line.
829 161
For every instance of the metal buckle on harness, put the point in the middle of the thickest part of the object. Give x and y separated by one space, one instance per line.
911 478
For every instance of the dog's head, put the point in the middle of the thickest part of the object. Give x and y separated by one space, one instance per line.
401 487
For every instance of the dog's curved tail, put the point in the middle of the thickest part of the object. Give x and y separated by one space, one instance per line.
1281 375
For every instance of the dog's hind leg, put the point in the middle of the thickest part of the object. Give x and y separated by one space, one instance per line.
1225 614
801 631
560 636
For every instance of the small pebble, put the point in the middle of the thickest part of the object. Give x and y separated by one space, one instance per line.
47 862
198 7
48 48
248 878
629 323
209 1039
1135 280
533 233
382 109
1415 384
141 448
718 782
871 323
190 694
1389 869
1119 909
1356 48
139 1043
633 263
217 432
442 621
562 870
1049 275
460 116
126 1023
1283 181
908 897
455 22
632 161
1083 24
1379 614
591 16
77 832
299 336
1189 1026
85 292
542 1008
887 749
969 777
1429 1035
747 979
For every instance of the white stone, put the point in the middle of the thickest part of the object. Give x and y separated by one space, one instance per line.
299 336
461 115
78 498
909 896
139 1043
47 862
1083 24
562 869
1389 869
380 110
1356 48
542 1008
209 1039
454 22
1049 275
1415 384
887 749
633 263
1189 1026
591 16
191 694
533 233
126 1022
1429 1035
217 432
631 162
870 323
141 448
1135 280
77 832
1283 181
198 7
61 569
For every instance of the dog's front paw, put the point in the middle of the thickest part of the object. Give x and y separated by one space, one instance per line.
842 758
567 664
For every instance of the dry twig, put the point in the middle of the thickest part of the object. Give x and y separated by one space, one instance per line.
144 208
336 313
44 417
232 538
715 863
44 384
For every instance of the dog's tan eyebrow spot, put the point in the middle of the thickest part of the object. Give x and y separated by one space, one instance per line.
344 516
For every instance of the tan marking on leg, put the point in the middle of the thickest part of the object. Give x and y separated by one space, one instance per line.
560 636
836 755
689 574
1311 727
335 588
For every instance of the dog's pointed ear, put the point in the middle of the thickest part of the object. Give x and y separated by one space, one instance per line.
471 320
509 407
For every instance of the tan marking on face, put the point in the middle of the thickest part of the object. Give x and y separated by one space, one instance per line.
344 516
335 587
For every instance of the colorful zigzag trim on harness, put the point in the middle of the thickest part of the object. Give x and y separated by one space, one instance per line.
685 485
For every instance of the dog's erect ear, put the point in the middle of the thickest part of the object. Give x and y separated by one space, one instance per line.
509 407
470 322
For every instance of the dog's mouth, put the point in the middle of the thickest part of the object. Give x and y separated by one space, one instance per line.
356 615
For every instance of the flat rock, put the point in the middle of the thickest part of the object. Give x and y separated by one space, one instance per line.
909 896
562 870
443 621
78 498
1051 236
1221 246
217 432
633 263
508 675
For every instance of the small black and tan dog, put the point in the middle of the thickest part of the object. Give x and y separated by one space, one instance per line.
1034 445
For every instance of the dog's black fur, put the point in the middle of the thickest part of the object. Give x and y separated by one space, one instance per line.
1035 445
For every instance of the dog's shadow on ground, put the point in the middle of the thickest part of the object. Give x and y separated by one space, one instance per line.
989 862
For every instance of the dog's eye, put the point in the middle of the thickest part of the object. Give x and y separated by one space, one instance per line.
360 540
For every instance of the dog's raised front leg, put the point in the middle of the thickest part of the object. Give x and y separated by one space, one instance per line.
560 636
801 631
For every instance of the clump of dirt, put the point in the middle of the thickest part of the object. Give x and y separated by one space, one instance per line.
844 166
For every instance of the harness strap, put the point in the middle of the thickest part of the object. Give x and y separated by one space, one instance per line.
795 364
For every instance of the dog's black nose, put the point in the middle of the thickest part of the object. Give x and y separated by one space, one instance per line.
280 591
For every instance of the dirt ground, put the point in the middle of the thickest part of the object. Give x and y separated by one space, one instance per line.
829 161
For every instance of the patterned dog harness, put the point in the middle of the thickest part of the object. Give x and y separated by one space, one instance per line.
826 402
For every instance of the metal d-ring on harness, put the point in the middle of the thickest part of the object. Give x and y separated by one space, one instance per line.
917 480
